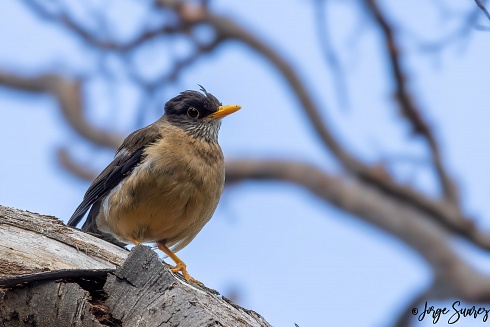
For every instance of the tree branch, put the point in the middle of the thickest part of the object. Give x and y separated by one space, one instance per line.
79 287
414 227
407 105
91 37
68 93
75 168
330 55
482 7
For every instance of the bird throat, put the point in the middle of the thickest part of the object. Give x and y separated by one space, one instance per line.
205 129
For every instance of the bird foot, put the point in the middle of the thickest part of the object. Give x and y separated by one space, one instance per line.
182 268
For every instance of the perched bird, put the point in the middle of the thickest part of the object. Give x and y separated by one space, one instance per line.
165 180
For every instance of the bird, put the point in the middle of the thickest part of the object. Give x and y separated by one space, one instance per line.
165 181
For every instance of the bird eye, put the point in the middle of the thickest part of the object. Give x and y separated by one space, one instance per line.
192 112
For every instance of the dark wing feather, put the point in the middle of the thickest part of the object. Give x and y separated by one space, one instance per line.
128 156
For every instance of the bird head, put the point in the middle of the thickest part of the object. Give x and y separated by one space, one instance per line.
198 113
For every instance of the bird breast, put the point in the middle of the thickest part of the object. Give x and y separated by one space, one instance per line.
170 196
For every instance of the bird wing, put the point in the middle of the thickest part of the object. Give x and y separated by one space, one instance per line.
128 156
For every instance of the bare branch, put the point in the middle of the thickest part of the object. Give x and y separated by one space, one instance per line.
417 229
75 168
68 93
407 105
91 37
459 34
330 54
482 7
181 64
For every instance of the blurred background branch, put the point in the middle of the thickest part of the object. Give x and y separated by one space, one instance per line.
482 7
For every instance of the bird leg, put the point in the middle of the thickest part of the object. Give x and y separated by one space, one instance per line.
179 264
134 240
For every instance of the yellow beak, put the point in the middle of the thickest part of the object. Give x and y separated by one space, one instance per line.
224 111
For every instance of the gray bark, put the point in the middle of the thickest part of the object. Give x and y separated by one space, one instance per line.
54 275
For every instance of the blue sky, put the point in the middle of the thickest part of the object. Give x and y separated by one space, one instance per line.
293 258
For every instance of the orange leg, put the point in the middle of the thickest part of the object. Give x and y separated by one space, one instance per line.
179 264
134 240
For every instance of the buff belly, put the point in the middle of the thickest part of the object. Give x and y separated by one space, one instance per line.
166 198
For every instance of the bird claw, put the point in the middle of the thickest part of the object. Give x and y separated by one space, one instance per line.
182 268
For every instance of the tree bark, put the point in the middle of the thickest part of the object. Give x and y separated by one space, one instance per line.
55 275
